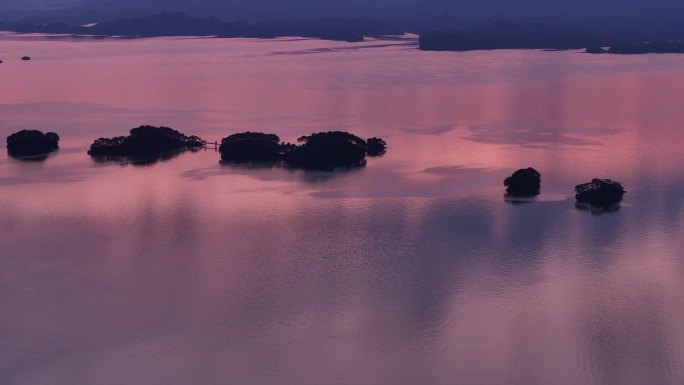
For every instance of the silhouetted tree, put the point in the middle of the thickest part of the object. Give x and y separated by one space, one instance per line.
318 151
145 142
524 182
603 193
328 151
375 146
251 147
31 143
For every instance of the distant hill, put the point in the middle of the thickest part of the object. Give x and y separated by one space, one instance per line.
578 13
490 34
179 24
506 34
630 20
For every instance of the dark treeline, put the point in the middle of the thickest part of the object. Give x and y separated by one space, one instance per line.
484 35
179 24
463 24
506 34
557 12
318 151
645 47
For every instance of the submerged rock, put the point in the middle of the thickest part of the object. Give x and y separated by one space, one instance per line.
375 146
599 192
328 151
145 142
31 143
247 147
525 182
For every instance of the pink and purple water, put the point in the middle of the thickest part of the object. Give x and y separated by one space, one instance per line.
412 270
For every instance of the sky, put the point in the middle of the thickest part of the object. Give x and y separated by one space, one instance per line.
575 11
6 5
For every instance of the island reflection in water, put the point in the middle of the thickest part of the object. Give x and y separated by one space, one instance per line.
413 269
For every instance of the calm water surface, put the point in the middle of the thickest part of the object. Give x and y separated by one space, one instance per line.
412 270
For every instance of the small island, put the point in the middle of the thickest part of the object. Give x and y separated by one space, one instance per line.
328 151
600 193
251 147
525 182
144 142
319 151
376 147
31 143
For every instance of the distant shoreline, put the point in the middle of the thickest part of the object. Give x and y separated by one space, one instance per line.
498 34
502 34
174 24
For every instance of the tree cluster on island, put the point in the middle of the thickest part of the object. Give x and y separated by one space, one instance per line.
600 192
597 196
525 182
325 151
32 143
318 151
144 143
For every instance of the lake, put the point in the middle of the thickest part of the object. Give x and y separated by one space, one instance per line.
411 270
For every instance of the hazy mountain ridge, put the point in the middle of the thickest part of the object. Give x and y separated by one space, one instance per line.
179 24
490 34
442 24
507 34
575 12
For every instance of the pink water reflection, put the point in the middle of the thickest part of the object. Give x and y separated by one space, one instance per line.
411 270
